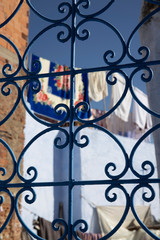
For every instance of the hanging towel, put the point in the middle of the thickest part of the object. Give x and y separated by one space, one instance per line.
56 90
60 85
141 117
97 86
117 90
108 220
46 231
89 236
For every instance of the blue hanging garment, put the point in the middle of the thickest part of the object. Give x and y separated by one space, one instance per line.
56 90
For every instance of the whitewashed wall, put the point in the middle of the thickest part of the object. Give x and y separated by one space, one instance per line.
89 164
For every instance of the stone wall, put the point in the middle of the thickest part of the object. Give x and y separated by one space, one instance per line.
12 130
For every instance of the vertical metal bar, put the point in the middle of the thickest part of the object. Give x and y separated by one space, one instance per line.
71 125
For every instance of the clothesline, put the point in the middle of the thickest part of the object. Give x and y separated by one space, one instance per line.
56 90
89 87
44 229
91 204
21 205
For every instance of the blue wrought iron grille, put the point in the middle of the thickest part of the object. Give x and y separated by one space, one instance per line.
73 22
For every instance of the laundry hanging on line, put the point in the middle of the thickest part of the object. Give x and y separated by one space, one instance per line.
56 90
106 218
123 110
124 120
140 116
98 89
46 231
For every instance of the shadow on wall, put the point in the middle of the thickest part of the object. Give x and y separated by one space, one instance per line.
61 173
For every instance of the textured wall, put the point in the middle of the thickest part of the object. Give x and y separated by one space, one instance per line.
89 164
17 29
11 131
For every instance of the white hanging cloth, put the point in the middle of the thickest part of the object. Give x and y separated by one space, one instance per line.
140 116
97 86
117 90
108 220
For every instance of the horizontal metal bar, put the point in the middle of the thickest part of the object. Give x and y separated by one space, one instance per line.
77 71
78 183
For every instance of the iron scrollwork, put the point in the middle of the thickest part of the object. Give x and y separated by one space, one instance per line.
71 33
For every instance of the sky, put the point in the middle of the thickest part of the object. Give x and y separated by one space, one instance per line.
122 14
